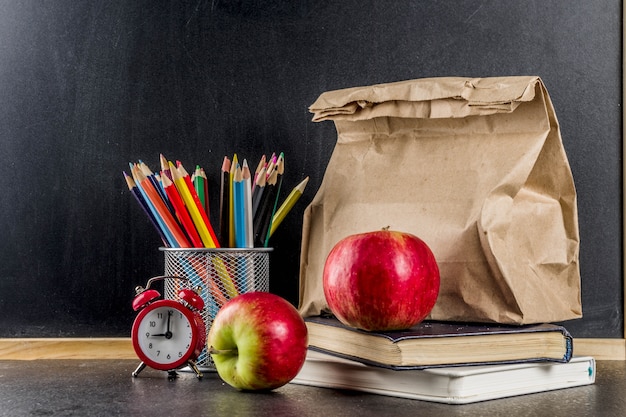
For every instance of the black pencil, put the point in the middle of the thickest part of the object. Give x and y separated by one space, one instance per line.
258 189
263 219
280 170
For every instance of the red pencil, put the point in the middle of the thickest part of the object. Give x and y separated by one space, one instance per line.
181 211
185 175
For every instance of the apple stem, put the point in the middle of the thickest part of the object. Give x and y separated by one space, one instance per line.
214 351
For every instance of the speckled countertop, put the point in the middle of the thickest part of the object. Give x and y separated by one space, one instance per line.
106 388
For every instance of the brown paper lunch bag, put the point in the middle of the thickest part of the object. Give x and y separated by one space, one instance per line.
476 168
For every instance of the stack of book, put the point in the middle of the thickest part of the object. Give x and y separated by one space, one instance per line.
453 363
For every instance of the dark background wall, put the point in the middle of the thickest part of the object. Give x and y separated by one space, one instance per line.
86 87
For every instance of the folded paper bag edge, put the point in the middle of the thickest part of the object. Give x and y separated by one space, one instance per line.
490 92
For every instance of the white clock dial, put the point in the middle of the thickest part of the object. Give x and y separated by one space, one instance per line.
165 335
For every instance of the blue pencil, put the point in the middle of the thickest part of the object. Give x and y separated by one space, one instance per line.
132 186
239 208
168 235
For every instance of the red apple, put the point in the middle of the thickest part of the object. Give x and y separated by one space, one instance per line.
258 341
380 281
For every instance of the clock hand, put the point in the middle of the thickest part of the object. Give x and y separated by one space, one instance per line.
168 333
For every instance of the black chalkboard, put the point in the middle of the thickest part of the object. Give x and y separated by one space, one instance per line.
87 87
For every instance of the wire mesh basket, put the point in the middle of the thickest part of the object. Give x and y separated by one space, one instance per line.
218 275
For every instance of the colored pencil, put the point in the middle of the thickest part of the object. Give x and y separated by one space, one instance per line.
271 164
165 166
249 211
259 166
239 209
205 181
212 294
258 191
196 199
231 212
156 181
280 170
197 265
198 185
181 211
247 201
170 223
264 213
150 175
222 272
185 193
224 202
171 242
132 187
287 205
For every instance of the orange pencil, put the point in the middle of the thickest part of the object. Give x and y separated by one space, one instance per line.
160 207
155 180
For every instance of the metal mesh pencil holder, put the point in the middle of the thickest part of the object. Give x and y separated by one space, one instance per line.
219 275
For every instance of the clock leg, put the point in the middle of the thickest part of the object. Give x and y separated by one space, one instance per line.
193 366
139 369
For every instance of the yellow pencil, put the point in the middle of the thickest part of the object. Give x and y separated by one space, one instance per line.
203 231
222 272
288 204
198 221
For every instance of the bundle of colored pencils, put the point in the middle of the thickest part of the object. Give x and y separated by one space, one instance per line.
178 204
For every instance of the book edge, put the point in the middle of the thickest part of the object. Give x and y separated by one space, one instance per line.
336 325
396 336
459 398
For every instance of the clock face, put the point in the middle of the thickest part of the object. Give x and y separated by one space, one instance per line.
164 335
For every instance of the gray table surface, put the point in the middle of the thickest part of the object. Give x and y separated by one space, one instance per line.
106 388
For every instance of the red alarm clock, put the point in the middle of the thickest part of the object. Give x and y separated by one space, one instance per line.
168 334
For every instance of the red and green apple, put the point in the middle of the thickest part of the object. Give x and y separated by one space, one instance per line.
258 341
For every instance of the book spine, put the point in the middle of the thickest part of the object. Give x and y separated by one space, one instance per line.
569 347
